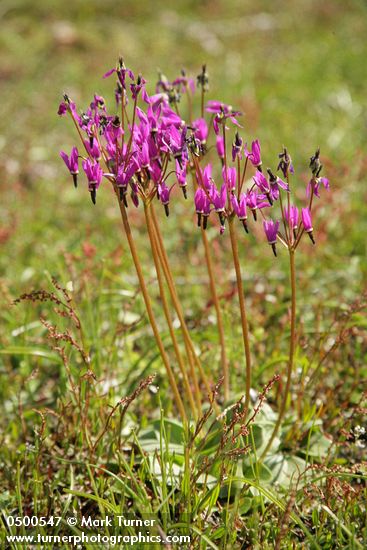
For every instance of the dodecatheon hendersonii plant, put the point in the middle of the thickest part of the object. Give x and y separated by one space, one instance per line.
271 232
254 156
307 223
94 174
149 150
72 163
240 209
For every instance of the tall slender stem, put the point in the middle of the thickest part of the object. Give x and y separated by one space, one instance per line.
292 348
150 312
153 244
171 285
213 291
241 298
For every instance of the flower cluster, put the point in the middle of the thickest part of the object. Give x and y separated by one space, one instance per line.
148 149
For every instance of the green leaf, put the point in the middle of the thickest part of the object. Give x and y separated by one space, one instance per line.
33 351
209 500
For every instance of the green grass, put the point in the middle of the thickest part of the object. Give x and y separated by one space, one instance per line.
295 69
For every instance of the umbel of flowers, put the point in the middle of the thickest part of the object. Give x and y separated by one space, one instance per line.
148 152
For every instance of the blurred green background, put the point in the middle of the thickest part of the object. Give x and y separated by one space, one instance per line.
296 70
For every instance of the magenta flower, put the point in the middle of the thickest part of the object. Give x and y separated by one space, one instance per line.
164 193
222 112
271 231
292 218
314 184
181 177
240 209
220 147
218 199
94 173
123 178
121 72
255 201
207 176
202 206
263 184
275 182
201 129
138 86
63 108
230 178
72 163
91 146
307 223
254 155
184 83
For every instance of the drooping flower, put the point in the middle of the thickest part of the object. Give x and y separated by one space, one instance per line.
218 199
255 201
275 182
220 147
92 147
201 129
121 72
263 184
314 185
271 231
94 174
254 155
291 216
184 83
202 206
138 86
181 177
72 163
240 209
222 112
164 194
229 177
307 223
